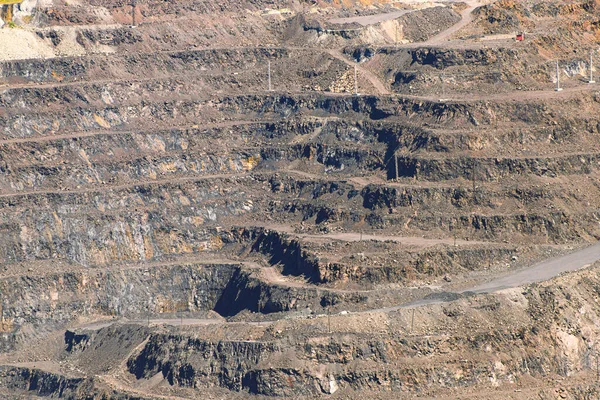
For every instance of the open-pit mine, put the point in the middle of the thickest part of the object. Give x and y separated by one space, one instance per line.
332 199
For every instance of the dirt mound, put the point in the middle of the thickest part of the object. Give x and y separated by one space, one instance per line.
424 24
18 44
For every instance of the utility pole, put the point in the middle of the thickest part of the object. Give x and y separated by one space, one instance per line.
443 78
474 178
558 88
133 4
396 162
356 80
270 85
591 67
597 368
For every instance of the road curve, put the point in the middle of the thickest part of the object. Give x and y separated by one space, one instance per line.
539 272
543 270
466 19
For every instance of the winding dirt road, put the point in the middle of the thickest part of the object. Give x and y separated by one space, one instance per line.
542 271
371 77
467 18
440 38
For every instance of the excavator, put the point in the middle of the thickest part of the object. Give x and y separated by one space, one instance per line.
7 8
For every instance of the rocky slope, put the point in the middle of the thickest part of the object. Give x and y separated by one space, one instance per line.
171 228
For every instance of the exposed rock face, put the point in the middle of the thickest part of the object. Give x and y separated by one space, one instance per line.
280 365
43 383
171 228
295 259
25 381
247 293
114 67
50 301
223 363
413 26
356 361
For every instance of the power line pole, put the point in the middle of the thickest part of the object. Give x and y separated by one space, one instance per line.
396 162
474 178
591 67
133 4
558 88
597 368
453 230
443 78
356 80
270 85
